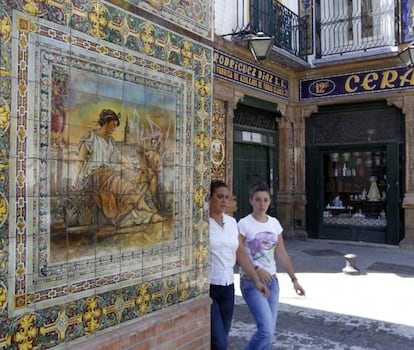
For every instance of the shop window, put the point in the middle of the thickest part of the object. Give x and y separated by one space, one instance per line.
355 188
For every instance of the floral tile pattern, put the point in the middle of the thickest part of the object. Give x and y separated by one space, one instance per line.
193 15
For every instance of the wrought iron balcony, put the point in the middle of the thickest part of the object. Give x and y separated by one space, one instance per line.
344 26
274 19
341 26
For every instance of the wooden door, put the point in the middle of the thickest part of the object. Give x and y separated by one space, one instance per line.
251 164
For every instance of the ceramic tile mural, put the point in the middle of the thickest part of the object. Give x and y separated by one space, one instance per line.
105 161
193 15
305 13
407 20
218 141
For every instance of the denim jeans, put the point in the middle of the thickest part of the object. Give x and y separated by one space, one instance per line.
264 311
221 315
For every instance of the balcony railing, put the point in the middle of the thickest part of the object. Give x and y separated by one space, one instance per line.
274 19
341 26
354 25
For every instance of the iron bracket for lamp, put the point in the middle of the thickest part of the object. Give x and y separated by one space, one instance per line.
242 33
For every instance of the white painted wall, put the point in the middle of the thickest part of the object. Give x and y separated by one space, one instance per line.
225 15
226 12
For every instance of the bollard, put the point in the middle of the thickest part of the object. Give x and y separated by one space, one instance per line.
350 268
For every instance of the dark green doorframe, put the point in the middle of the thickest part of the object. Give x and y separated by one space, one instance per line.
255 150
255 159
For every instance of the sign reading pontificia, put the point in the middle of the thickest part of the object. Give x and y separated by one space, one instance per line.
357 83
240 72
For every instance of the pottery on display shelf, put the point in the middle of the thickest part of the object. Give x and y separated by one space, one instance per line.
334 157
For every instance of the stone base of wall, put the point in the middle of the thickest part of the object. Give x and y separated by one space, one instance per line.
294 234
183 326
407 244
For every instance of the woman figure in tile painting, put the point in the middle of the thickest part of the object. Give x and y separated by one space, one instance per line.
120 190
225 249
261 238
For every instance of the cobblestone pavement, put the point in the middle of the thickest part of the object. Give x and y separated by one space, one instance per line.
307 329
373 310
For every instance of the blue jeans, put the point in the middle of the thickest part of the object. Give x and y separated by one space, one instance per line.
264 311
221 315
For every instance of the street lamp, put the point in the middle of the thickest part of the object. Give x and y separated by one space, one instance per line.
259 44
407 55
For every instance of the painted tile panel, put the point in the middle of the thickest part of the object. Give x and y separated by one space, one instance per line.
86 244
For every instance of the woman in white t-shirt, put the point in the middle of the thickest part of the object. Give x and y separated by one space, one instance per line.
225 250
262 237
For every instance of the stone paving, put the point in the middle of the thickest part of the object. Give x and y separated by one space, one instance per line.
304 329
373 310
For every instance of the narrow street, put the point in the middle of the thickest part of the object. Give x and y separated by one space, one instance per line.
306 329
372 310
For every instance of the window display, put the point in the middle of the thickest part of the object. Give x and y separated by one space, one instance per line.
355 188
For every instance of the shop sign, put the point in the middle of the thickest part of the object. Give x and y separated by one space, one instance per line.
240 72
357 83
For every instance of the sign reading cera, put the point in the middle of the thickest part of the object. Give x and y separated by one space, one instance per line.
357 83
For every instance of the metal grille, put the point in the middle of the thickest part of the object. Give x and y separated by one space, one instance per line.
272 18
354 25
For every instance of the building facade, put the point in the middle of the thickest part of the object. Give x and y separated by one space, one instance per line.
339 161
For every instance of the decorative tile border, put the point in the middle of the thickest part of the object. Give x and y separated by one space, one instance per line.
193 15
35 310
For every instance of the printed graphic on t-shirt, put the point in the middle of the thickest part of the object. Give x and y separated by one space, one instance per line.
261 248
